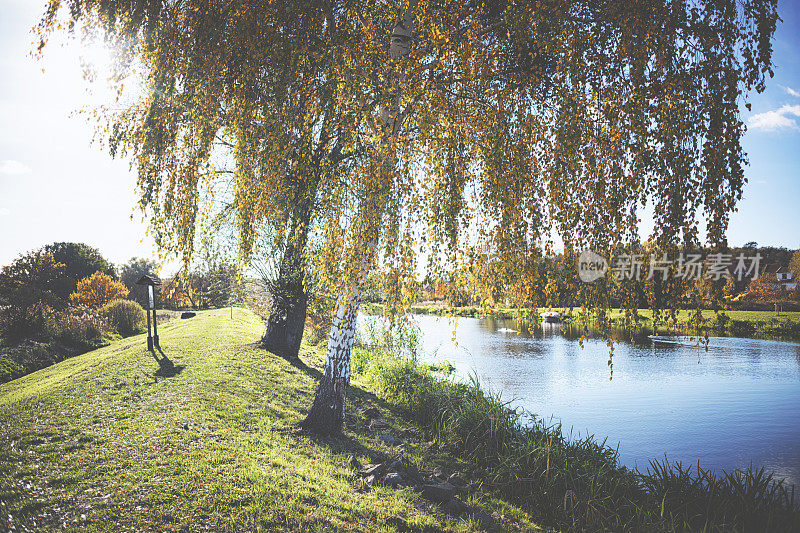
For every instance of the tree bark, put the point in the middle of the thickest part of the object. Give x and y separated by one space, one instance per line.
326 415
287 317
327 412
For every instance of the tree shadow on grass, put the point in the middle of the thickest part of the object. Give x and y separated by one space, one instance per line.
299 364
357 400
356 396
342 443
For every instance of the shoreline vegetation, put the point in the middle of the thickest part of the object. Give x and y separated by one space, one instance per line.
572 484
725 323
99 442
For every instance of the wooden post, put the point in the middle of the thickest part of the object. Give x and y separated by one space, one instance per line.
152 338
149 333
155 320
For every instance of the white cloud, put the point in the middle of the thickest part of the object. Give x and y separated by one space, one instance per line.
4 211
791 91
776 119
13 168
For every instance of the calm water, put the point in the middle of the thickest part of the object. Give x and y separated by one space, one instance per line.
737 403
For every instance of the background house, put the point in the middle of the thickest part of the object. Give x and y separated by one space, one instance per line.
786 278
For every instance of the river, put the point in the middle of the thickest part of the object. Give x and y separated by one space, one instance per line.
736 403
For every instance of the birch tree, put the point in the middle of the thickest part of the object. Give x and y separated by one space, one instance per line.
497 125
232 114
328 409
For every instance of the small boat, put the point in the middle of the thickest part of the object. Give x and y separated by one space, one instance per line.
552 317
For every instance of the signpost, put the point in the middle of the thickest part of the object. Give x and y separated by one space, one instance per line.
151 283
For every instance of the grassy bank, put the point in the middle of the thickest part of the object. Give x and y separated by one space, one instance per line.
21 358
752 324
442 310
99 442
29 355
733 323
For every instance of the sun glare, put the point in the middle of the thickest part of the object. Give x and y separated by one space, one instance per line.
97 61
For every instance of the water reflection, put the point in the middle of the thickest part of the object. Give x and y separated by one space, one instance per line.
727 404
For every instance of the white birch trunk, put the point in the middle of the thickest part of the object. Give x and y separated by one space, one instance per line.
327 412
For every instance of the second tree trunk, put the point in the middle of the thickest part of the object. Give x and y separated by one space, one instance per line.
287 317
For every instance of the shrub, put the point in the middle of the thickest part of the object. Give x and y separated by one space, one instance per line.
79 326
97 290
318 326
402 339
314 332
125 316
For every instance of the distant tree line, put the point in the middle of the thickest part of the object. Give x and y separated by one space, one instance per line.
556 283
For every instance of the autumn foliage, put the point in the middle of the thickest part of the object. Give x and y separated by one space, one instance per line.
765 289
97 290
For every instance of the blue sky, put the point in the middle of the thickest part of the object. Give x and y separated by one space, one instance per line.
56 186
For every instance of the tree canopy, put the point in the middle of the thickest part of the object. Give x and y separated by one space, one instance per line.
512 119
467 133
131 272
80 260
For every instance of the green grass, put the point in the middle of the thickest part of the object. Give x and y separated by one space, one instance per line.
750 316
748 324
471 311
443 310
99 442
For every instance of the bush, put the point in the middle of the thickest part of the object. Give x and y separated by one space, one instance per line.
97 290
26 299
79 326
402 339
315 331
125 316
17 322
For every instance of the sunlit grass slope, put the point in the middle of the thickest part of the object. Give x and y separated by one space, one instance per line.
99 442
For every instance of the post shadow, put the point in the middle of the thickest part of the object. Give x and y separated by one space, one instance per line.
166 368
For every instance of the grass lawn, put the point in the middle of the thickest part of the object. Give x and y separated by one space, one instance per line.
682 314
99 442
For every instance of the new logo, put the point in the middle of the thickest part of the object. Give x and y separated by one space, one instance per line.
591 266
